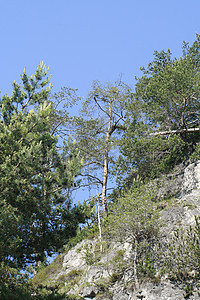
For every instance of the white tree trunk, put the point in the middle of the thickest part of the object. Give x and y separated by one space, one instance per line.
189 130
99 221
105 182
105 167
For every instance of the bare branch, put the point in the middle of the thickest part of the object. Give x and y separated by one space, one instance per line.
93 177
104 111
93 162
55 128
177 131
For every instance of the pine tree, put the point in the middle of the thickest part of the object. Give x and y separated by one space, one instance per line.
163 123
36 218
97 131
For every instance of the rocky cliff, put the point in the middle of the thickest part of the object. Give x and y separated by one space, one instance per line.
89 273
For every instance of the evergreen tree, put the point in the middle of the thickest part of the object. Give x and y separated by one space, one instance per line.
163 125
134 219
97 131
169 90
180 257
36 218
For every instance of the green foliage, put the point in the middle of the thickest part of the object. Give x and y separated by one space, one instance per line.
32 93
133 218
166 98
13 284
92 253
18 286
87 232
181 257
33 176
71 275
35 181
138 211
169 88
147 268
196 153
119 265
147 158
97 131
38 170
89 254
69 280
114 277
188 291
43 276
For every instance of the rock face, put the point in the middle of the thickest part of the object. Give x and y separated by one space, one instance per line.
98 269
186 188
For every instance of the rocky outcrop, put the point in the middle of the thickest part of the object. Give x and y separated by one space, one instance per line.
185 179
98 279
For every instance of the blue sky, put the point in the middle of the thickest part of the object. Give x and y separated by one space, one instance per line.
86 40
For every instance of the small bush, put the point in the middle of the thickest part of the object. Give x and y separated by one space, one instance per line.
114 277
88 232
44 274
71 275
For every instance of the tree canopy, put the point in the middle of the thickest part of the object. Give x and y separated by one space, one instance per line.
132 135
169 89
163 124
36 217
97 131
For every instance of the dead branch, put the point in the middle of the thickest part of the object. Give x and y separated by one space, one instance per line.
177 131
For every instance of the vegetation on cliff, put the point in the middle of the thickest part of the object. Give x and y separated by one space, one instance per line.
121 135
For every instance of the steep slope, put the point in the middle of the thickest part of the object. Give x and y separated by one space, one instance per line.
90 273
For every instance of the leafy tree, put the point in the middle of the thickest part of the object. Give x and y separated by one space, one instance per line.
144 157
133 219
97 132
15 285
169 90
163 123
181 256
36 217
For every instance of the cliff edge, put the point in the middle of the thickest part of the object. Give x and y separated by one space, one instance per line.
88 272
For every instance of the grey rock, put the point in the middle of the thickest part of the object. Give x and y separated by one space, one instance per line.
184 185
74 258
191 178
95 273
89 292
184 179
165 291
120 296
119 293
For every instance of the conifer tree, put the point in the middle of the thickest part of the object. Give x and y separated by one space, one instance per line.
164 116
97 131
36 218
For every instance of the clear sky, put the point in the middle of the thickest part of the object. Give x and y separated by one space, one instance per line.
86 40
